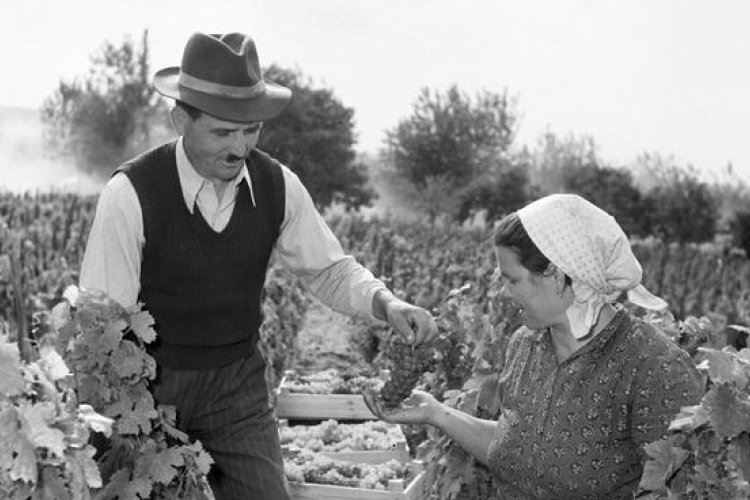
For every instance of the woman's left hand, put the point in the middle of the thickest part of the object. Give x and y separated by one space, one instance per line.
418 408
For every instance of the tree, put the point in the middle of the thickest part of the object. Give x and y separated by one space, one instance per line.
573 165
501 190
454 141
450 135
315 138
109 116
740 227
614 191
682 209
554 158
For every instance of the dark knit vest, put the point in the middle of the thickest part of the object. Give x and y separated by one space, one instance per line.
204 288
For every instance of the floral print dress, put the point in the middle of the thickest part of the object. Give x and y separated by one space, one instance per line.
576 429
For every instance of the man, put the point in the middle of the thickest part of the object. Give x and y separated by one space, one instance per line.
188 229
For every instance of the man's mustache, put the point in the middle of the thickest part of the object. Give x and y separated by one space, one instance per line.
235 158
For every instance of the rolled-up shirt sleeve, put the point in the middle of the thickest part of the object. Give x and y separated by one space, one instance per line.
308 248
112 259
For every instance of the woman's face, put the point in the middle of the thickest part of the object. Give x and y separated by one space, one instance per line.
537 294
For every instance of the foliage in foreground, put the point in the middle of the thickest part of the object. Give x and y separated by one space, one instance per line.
707 454
103 347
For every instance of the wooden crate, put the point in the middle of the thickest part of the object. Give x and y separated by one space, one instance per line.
396 491
399 451
296 406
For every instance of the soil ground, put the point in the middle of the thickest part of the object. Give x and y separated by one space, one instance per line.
325 341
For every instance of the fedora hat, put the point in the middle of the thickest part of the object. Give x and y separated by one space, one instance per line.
221 75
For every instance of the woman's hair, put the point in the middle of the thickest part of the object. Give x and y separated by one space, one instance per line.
510 233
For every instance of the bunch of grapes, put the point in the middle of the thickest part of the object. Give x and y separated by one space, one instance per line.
408 363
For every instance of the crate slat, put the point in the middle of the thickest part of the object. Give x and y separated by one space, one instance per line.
306 491
399 452
322 407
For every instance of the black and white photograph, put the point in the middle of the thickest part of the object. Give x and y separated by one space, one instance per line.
375 250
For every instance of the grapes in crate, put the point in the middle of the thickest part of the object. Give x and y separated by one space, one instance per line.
407 364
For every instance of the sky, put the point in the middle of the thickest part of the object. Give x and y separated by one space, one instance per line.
670 77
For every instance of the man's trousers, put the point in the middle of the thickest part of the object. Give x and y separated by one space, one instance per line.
228 411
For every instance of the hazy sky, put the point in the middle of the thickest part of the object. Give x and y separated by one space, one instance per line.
664 76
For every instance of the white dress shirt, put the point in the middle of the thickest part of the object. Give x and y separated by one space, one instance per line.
306 246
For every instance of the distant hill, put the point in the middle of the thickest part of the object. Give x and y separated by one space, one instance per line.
9 114
23 164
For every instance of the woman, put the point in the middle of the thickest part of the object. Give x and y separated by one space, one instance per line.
585 385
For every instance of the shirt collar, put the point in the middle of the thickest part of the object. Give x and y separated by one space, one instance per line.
192 182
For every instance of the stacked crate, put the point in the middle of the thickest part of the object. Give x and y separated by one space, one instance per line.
293 407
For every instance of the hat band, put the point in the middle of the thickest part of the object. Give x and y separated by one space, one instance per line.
218 89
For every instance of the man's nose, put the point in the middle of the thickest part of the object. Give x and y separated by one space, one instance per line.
239 145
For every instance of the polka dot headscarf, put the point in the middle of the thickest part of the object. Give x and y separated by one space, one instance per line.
588 245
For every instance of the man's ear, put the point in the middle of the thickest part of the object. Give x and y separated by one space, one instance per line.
179 119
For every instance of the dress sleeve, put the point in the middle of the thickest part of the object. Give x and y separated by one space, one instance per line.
669 382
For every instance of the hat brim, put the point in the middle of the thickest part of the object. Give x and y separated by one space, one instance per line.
267 105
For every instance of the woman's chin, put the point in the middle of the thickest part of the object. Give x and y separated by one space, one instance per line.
532 323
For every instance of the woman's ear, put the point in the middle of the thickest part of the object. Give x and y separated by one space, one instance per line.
558 276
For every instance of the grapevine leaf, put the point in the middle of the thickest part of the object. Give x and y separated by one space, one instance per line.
175 433
11 379
36 420
113 334
52 363
740 452
51 485
8 435
740 328
91 473
5 268
97 422
458 471
128 361
689 418
164 468
144 409
24 464
202 458
121 487
665 460
35 375
16 453
728 411
71 294
707 475
142 323
724 367
60 315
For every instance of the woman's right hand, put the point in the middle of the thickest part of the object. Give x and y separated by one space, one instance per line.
419 408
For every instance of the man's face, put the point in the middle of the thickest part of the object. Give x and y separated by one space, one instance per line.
216 148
